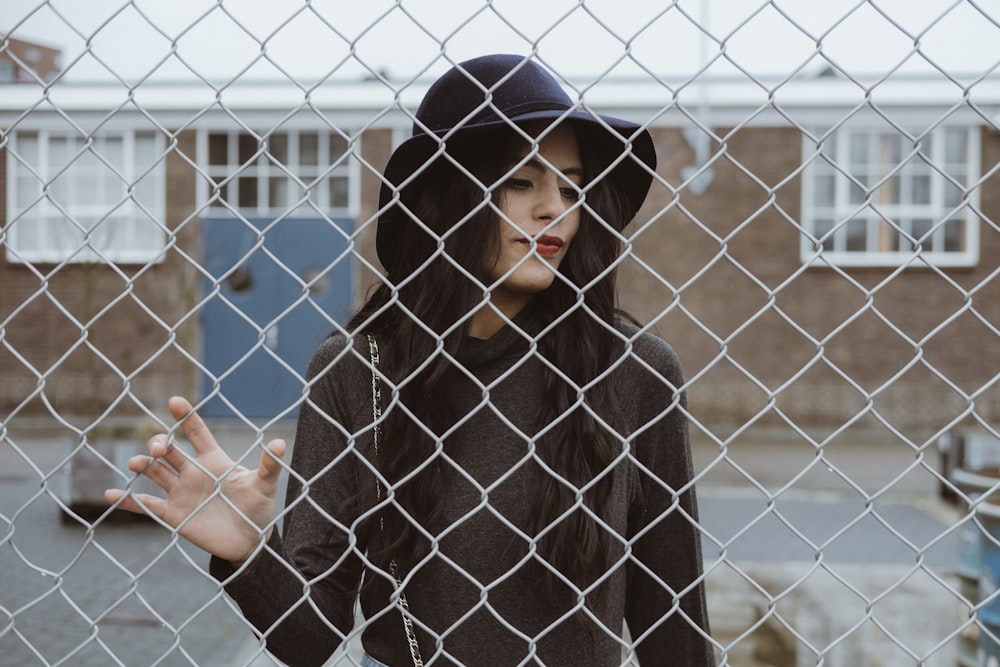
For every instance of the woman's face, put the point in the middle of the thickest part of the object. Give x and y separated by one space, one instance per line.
538 221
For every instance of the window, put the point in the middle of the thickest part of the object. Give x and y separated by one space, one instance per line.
79 199
874 197
299 170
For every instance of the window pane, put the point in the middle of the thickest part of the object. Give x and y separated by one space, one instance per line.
29 189
145 150
277 192
889 193
59 190
338 146
27 148
86 192
112 149
858 150
955 146
888 236
248 192
921 189
65 235
85 212
857 235
855 194
107 235
908 195
248 146
222 190
920 231
308 148
28 233
277 146
821 232
270 181
145 191
113 187
218 143
952 194
339 196
297 194
824 190
59 150
828 149
148 235
954 238
821 168
85 162
891 150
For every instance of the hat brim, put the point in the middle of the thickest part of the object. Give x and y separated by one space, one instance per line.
623 144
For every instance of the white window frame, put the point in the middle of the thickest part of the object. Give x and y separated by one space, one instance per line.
315 177
56 212
843 212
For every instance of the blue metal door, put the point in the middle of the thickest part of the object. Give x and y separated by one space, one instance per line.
275 291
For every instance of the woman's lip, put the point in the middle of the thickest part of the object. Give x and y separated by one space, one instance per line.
549 240
545 245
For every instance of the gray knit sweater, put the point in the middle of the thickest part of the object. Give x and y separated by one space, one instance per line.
471 605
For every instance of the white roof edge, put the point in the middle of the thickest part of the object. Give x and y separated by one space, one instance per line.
632 98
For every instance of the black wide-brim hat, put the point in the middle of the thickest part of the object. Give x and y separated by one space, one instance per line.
501 90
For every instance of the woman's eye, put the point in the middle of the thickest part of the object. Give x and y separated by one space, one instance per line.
570 193
517 183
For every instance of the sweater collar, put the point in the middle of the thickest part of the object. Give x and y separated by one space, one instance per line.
511 341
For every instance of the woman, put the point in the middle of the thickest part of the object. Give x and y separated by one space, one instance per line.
526 485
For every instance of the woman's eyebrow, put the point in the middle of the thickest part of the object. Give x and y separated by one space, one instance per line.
536 164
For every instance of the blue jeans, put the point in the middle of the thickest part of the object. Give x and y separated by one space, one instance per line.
368 661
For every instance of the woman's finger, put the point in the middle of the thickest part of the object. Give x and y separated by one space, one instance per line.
270 461
160 447
163 475
139 503
194 428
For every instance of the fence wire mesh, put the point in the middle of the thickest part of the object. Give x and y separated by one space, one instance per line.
190 199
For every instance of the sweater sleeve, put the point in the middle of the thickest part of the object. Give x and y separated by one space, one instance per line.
299 591
665 605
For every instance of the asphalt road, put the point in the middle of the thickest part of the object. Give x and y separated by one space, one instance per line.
131 594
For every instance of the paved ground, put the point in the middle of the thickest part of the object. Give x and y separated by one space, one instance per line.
126 593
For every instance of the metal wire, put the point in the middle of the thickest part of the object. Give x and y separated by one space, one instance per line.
786 278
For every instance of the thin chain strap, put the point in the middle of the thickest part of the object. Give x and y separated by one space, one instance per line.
411 635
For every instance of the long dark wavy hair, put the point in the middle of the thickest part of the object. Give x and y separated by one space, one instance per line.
449 225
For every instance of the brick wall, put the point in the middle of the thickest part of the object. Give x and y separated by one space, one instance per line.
94 340
30 61
738 344
720 274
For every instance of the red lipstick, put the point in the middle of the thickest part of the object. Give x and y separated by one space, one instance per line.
545 245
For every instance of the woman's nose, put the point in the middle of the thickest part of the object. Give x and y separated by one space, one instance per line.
550 204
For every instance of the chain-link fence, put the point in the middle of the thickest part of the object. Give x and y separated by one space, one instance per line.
189 200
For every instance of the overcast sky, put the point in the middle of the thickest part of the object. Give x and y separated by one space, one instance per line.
580 40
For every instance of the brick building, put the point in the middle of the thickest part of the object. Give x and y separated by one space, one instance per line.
27 62
832 265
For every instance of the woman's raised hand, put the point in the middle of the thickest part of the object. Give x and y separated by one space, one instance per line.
219 507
